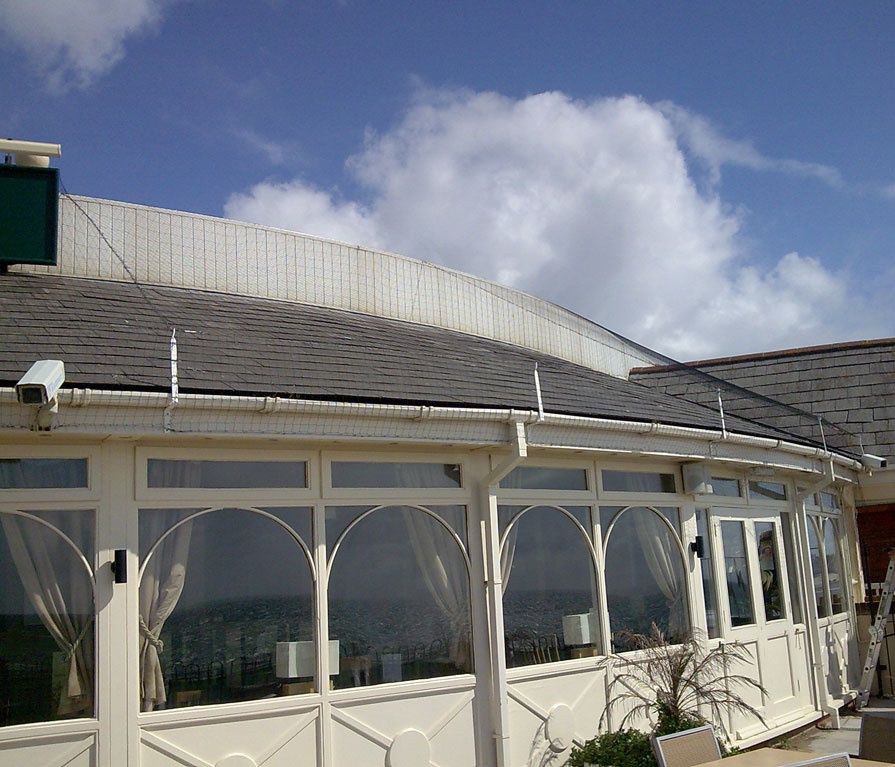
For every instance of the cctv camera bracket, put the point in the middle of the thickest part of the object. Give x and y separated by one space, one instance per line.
45 415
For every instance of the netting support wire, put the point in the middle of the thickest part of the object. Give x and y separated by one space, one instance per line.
721 410
823 439
538 392
175 394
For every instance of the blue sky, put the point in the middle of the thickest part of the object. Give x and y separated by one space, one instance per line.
706 178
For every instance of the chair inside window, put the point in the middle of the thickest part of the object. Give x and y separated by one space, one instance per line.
687 748
833 760
877 740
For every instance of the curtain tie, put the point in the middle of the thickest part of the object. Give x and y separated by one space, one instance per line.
73 647
157 643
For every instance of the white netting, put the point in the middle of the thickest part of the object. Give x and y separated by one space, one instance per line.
119 241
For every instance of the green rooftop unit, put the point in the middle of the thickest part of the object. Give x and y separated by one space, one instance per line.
29 215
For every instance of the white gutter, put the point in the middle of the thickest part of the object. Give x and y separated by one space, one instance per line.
500 700
285 406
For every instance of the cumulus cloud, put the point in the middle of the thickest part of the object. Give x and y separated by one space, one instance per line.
73 43
590 204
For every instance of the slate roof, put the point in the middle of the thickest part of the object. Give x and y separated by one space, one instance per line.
850 385
116 335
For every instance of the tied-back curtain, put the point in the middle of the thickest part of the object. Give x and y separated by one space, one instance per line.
61 592
664 563
164 576
444 572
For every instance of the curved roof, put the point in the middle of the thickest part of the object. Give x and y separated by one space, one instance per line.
116 335
134 243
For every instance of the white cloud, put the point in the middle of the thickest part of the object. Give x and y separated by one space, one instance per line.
73 43
709 146
588 204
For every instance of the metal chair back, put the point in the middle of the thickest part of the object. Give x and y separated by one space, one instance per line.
833 760
688 748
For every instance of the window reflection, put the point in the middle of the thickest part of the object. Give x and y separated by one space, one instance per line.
218 591
46 617
645 575
817 568
739 588
380 474
709 592
834 566
637 482
34 473
771 583
549 602
225 474
545 478
398 595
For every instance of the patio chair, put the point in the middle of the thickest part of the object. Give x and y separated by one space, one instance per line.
687 748
831 760
877 740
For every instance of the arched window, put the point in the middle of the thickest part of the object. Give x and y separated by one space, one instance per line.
46 616
549 589
219 589
644 571
398 591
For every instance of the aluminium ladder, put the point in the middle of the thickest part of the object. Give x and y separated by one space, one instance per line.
877 634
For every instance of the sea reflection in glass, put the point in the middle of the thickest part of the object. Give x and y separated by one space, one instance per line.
550 610
398 593
736 568
217 592
645 577
46 616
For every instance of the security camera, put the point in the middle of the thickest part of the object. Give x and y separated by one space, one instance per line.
39 385
873 462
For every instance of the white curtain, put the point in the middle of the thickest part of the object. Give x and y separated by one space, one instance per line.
507 554
664 563
164 576
447 580
61 592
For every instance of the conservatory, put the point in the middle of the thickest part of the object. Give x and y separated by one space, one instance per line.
303 503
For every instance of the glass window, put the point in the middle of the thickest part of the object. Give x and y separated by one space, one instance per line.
817 568
709 592
46 617
637 482
771 581
739 589
726 486
226 608
792 571
398 595
549 603
226 474
776 491
645 575
545 478
829 502
42 473
834 566
368 474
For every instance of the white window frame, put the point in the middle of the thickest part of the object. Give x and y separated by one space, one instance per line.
296 496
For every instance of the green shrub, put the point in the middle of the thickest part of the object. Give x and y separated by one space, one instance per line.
625 748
